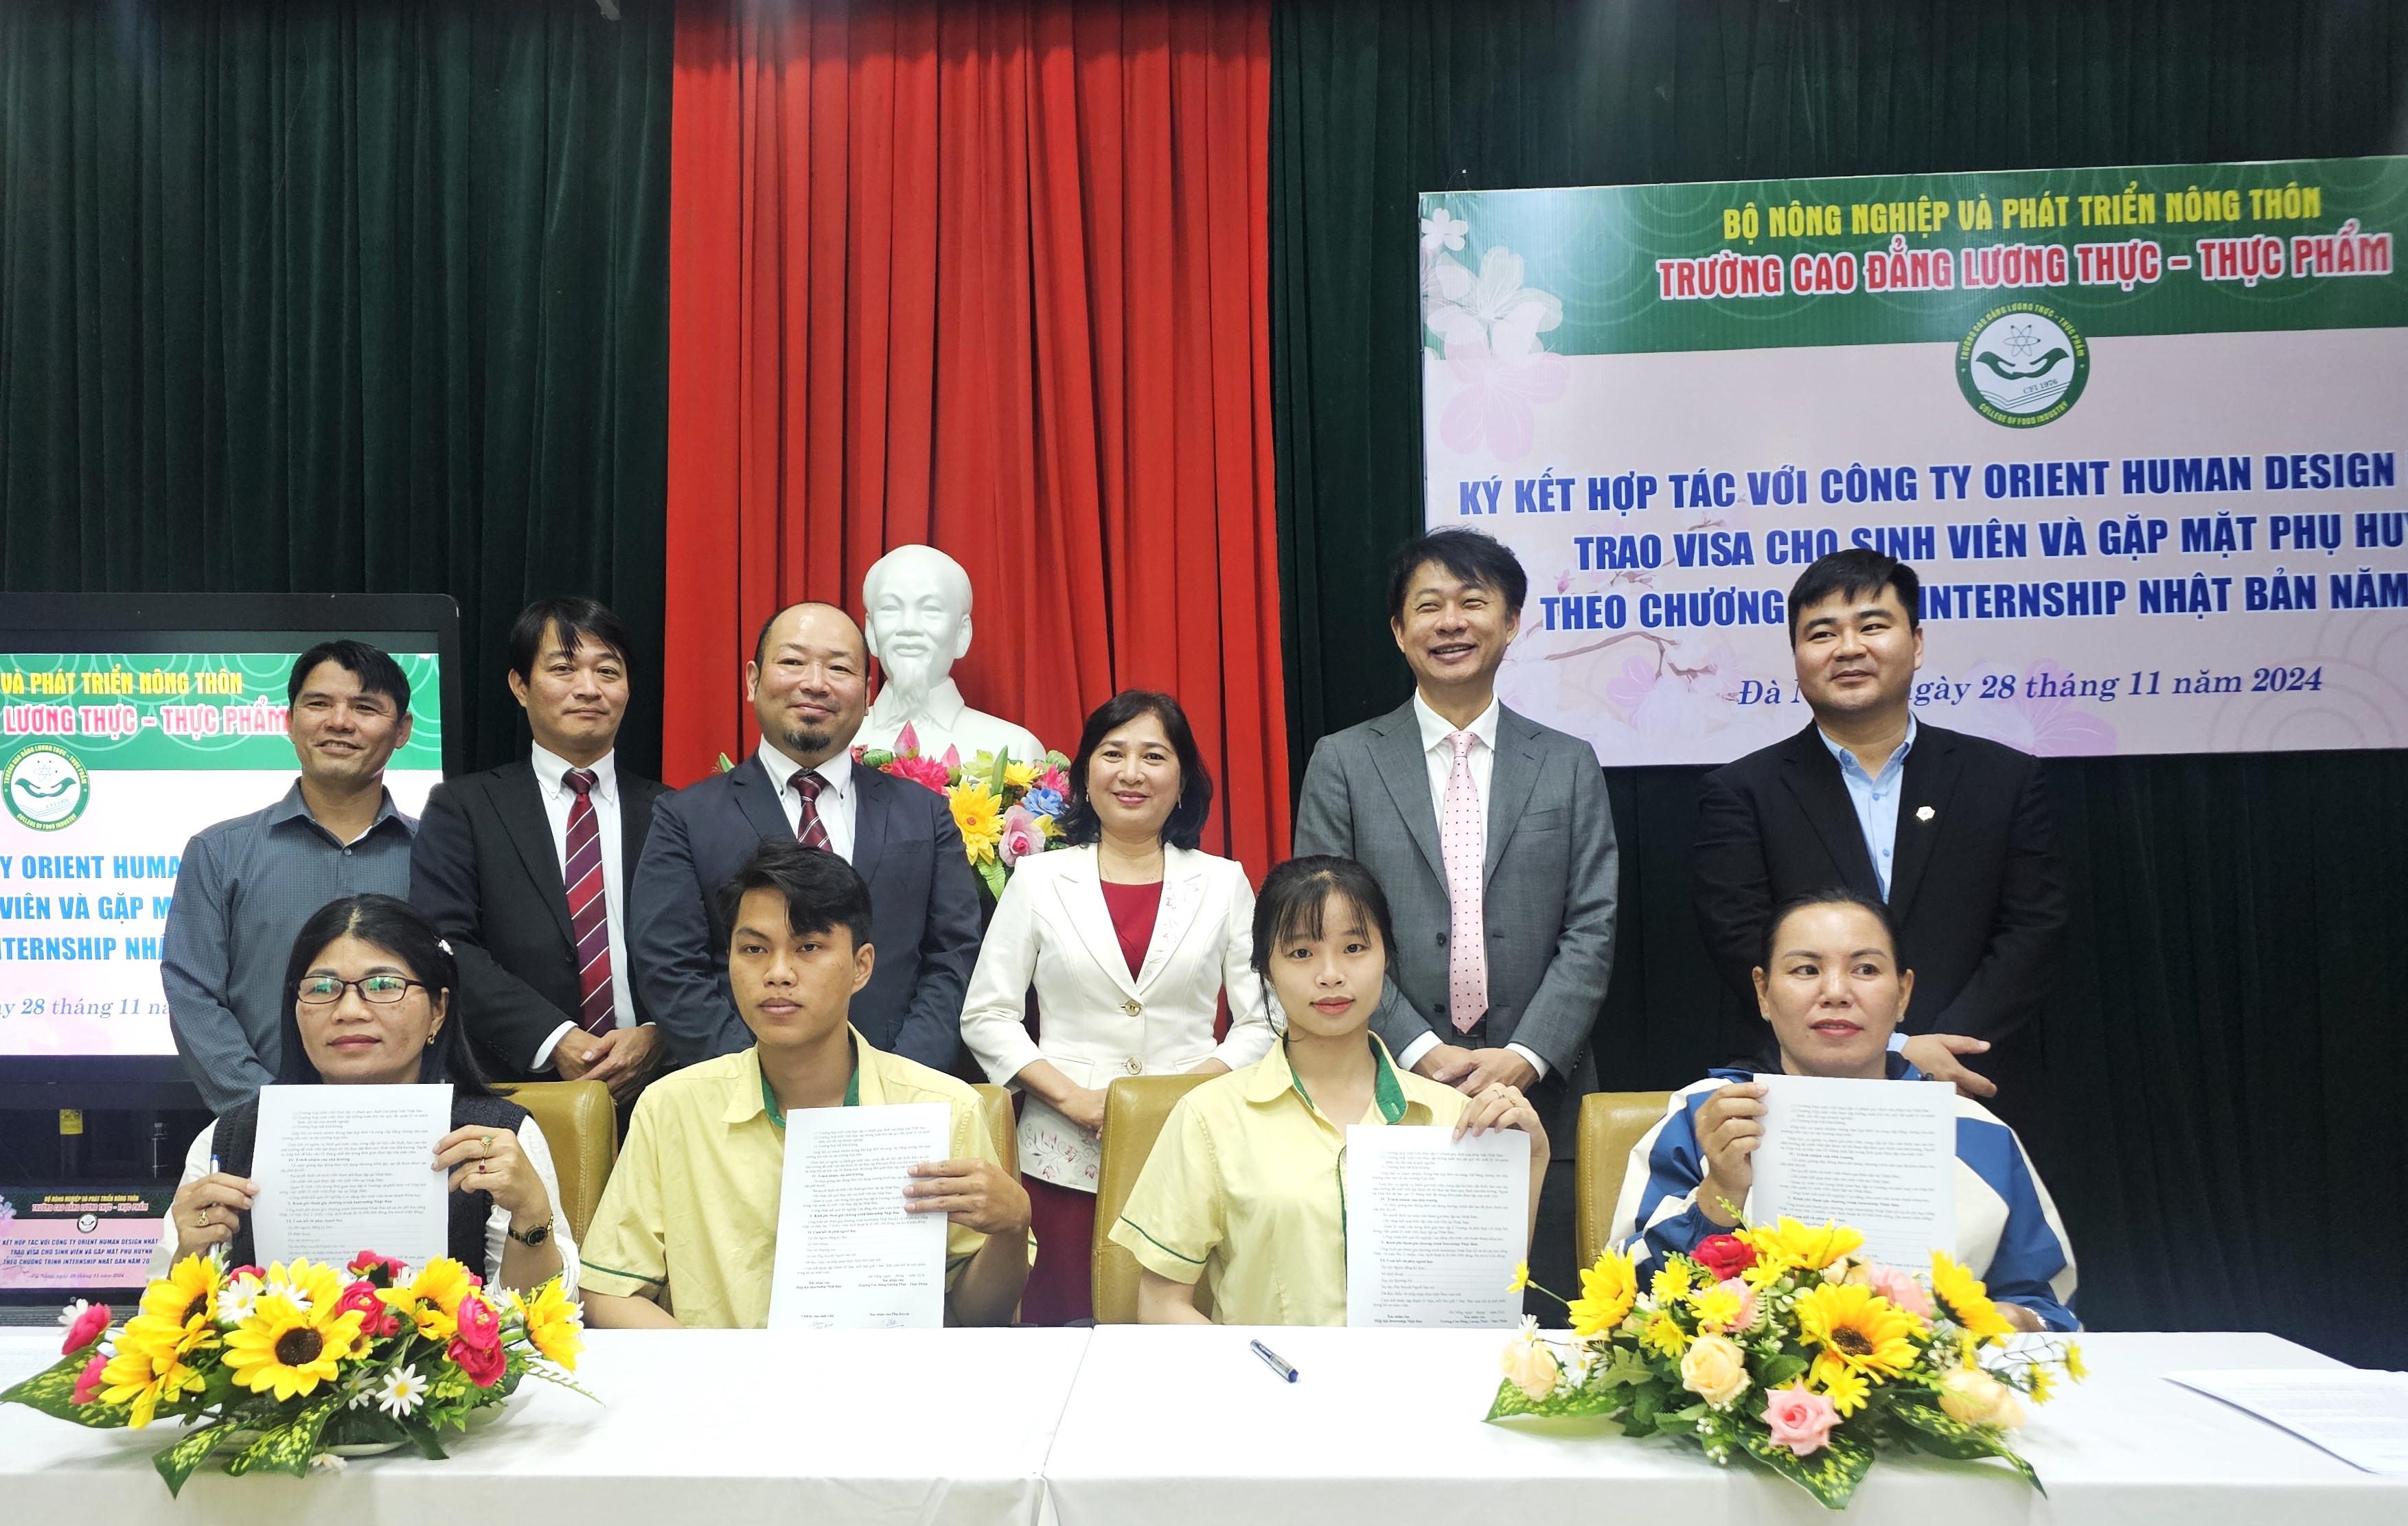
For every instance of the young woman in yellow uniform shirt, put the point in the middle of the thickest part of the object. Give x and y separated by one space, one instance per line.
1245 1179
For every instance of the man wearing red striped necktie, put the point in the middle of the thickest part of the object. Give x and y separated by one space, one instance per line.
526 870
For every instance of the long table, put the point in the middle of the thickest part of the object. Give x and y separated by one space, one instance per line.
1180 1427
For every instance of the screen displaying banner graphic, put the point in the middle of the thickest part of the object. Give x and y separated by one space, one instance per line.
80 1237
109 762
2139 430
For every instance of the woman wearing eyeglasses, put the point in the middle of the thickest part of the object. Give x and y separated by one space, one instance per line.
371 995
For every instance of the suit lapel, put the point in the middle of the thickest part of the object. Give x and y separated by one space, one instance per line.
1813 775
758 798
634 822
871 799
1080 886
1397 754
1511 779
518 797
1183 896
1931 773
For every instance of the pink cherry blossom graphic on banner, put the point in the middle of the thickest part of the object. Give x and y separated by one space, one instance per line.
1490 324
2044 716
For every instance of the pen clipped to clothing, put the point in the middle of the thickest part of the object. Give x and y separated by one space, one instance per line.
1273 1360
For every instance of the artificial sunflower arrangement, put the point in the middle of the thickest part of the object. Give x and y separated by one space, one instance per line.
1780 1344
289 1368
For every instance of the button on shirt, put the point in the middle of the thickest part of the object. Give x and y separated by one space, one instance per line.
1438 756
243 891
1875 797
837 803
551 784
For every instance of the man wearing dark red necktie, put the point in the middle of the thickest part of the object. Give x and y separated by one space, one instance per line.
809 682
525 871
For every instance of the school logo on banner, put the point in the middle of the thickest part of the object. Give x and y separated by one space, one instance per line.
46 786
2023 366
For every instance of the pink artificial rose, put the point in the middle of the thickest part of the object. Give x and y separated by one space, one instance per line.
87 1383
480 1328
87 1329
1055 780
484 1368
368 1261
1746 1320
1799 1418
1021 836
1898 1287
376 1319
256 1273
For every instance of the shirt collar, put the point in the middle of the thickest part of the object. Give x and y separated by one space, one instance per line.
293 807
749 1095
837 770
942 709
1273 1079
1436 728
552 772
1847 760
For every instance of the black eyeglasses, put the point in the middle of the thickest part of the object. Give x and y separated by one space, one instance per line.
383 990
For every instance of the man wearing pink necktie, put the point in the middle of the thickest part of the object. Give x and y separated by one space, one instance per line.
1491 836
526 869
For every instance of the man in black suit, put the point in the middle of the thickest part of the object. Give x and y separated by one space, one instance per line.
1951 831
809 682
524 867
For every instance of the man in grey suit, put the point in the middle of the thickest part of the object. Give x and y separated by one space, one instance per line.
809 682
1492 838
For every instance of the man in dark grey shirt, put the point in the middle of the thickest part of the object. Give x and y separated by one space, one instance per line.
246 886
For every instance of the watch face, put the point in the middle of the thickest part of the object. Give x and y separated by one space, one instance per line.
535 1236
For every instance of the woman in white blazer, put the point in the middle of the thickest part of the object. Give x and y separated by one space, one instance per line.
1129 936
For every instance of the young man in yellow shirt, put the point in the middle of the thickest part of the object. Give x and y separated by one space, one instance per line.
687 1231
1244 1180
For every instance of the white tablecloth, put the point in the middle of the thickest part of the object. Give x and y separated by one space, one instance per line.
1186 1427
735 1429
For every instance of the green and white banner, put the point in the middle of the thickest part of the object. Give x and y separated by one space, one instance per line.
2138 429
109 762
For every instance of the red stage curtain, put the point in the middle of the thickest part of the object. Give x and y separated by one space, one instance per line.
994 276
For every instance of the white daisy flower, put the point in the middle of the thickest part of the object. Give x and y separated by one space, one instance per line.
73 1311
326 1462
236 1299
401 1393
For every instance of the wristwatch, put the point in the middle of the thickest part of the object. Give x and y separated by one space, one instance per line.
535 1236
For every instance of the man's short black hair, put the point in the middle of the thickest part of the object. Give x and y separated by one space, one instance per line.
378 672
579 620
1474 556
822 889
1855 573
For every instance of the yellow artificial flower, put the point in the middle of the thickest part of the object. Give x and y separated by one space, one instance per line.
1859 1327
2040 1382
188 1292
148 1371
1796 1247
1672 1282
2074 1368
1718 1309
1022 775
979 816
1521 1278
1608 1290
311 1285
432 1300
287 1349
1663 1334
1842 1384
552 1323
1966 1299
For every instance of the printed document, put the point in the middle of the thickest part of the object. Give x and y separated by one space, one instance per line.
2359 1416
1877 1156
1435 1225
343 1169
849 1255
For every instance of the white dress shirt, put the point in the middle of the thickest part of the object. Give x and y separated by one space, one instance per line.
552 785
1437 753
837 803
1875 797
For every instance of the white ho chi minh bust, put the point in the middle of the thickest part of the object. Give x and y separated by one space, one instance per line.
917 604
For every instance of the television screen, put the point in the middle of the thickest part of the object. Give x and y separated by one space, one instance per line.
127 724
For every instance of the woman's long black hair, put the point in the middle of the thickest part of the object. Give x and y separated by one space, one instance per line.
1293 903
396 927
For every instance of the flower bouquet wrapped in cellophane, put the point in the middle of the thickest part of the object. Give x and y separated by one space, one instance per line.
1780 1344
275 1369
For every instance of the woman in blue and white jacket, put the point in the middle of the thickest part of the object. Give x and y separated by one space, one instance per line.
1832 989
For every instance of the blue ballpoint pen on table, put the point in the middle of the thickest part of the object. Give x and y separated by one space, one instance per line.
1273 1360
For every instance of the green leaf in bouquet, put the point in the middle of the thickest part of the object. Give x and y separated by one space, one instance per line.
1779 1372
1626 1368
995 773
176 1463
1830 1475
52 1390
991 872
1935 1431
289 1447
877 757
1581 1403
423 1434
